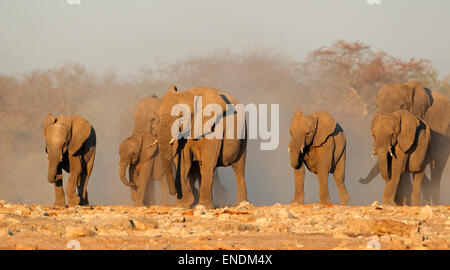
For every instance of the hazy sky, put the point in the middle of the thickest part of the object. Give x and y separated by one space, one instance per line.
125 35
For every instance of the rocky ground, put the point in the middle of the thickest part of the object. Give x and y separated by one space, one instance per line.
314 226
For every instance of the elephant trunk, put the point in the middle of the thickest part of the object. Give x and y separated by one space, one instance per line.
122 169
384 164
295 157
52 171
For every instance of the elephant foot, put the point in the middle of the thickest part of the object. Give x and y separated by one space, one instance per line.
207 205
73 202
139 204
345 198
389 202
324 201
184 203
59 204
84 202
296 202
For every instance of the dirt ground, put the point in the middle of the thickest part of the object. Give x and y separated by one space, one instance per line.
313 226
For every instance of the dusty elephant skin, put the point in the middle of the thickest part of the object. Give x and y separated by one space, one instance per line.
330 227
318 143
401 142
202 154
139 153
70 144
434 109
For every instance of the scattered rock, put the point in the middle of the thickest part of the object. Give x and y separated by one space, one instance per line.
380 226
78 231
426 212
22 246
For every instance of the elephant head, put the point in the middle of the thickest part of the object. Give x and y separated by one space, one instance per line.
388 130
63 135
308 131
410 96
133 150
145 115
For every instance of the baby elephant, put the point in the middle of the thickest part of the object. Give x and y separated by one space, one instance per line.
318 142
139 153
70 145
401 141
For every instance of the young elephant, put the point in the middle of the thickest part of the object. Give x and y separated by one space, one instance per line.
70 144
401 142
139 153
318 142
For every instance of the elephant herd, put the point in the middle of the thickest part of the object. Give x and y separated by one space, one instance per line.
410 130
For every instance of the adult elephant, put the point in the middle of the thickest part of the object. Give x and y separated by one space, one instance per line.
434 109
194 146
139 153
401 142
70 144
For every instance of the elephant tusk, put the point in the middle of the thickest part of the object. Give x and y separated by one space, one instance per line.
301 150
289 150
153 143
374 153
171 141
390 153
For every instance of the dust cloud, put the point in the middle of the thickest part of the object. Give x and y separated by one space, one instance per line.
256 76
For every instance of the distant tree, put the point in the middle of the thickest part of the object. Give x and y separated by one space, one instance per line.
356 71
444 86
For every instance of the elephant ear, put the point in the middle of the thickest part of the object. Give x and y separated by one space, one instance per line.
325 127
408 127
420 100
149 146
80 132
49 120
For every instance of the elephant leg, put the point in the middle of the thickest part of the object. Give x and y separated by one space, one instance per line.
74 178
211 151
391 189
207 172
435 184
72 196
239 171
339 178
417 184
426 190
60 198
85 180
80 185
324 196
149 194
184 169
403 193
164 192
195 192
133 176
299 179
141 184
